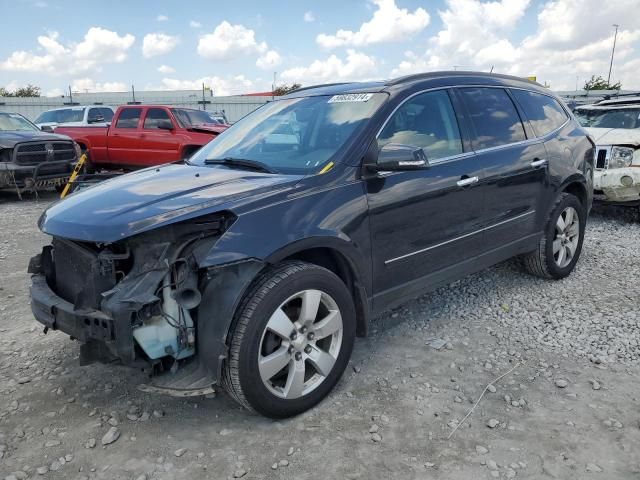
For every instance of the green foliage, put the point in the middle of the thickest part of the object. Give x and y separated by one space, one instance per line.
285 89
599 83
28 91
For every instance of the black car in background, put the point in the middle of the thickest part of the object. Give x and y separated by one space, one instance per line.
30 157
255 265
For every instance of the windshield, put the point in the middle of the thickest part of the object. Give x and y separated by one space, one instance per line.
191 118
65 115
13 122
296 135
614 118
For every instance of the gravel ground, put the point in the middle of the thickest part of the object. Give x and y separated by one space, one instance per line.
567 408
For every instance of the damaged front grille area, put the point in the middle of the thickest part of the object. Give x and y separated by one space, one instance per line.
81 273
129 301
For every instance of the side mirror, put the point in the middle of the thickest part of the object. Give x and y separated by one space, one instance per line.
165 125
47 128
398 157
97 119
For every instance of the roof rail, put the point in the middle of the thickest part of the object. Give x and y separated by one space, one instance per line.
319 86
437 73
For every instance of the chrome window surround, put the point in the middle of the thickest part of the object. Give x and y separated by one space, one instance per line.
482 150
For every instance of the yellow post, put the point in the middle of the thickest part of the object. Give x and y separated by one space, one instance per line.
74 174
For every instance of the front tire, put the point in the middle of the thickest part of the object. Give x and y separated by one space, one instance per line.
561 243
292 339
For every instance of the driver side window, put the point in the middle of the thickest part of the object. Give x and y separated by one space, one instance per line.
426 121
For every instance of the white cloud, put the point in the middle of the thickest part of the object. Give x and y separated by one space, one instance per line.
154 44
166 69
162 18
195 24
269 60
228 41
220 86
357 66
389 23
309 17
12 85
83 85
569 41
99 46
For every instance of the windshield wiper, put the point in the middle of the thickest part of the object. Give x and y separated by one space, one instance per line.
241 162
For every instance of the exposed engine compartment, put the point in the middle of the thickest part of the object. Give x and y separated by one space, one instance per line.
138 297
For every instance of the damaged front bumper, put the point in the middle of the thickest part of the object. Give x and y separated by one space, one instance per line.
617 185
122 304
93 328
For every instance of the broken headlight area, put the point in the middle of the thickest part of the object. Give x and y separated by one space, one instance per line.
131 301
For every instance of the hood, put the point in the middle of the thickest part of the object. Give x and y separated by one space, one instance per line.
151 198
10 139
615 136
209 128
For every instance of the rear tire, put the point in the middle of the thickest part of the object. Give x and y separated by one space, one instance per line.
560 245
291 341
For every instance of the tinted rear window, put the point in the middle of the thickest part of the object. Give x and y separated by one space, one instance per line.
494 117
544 113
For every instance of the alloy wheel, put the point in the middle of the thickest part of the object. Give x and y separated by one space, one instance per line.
300 344
567 237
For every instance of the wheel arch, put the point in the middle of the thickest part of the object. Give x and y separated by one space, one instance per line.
332 254
577 187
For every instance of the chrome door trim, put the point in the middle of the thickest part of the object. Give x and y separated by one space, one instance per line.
423 250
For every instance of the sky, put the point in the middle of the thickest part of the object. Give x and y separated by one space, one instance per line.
236 46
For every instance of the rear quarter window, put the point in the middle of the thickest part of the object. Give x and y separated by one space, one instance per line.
544 113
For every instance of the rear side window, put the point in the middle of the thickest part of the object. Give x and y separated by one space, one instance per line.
99 114
427 121
544 113
494 117
155 116
129 118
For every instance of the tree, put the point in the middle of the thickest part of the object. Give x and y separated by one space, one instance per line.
284 89
599 83
28 91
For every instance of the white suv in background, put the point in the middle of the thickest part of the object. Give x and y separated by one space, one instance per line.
76 116
614 125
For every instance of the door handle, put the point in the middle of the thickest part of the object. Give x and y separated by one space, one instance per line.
465 182
539 162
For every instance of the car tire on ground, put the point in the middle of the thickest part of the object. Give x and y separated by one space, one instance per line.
561 243
292 338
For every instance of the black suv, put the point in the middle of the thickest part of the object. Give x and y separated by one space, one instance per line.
254 265
31 158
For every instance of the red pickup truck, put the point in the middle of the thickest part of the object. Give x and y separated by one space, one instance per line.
145 135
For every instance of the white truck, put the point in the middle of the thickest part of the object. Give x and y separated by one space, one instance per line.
75 116
614 125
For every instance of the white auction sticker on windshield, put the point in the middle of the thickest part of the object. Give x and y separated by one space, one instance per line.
350 97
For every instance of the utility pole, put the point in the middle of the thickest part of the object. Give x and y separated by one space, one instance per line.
615 37
273 86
